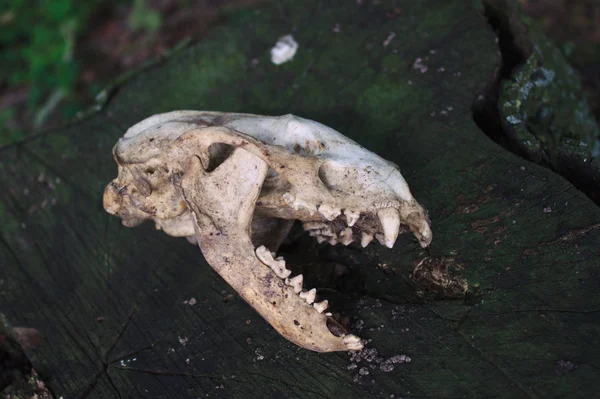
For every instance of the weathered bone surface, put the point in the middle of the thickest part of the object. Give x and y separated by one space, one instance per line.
234 184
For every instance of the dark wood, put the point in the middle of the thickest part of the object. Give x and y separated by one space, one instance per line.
109 300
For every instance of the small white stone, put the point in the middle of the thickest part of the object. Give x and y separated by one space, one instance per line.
284 50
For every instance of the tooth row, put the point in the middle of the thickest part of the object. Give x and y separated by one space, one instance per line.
277 265
389 218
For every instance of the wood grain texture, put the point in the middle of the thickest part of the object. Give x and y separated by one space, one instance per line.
534 303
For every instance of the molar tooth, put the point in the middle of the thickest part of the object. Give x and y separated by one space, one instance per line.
299 203
365 239
328 232
346 236
308 226
351 217
329 212
350 338
278 266
390 221
321 306
295 282
308 296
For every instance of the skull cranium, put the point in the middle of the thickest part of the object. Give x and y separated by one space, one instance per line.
234 183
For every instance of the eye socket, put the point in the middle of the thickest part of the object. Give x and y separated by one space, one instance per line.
218 153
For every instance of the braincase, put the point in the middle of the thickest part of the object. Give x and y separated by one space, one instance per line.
341 156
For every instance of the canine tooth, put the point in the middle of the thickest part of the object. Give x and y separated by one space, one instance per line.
329 212
365 239
288 198
390 221
321 306
346 236
308 296
278 266
351 217
295 282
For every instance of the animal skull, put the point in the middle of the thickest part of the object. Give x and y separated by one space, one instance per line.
234 183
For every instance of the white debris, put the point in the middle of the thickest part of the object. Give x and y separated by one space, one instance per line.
389 39
192 301
284 50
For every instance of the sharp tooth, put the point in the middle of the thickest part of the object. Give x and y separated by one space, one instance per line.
288 198
321 239
365 239
278 266
333 241
309 296
346 236
328 314
390 221
273 255
351 217
380 238
321 306
295 282
329 212
283 273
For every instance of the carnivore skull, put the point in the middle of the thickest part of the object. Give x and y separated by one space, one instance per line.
234 184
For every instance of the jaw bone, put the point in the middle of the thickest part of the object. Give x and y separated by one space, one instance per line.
234 184
254 274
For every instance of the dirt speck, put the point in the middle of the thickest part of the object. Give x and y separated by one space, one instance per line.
435 274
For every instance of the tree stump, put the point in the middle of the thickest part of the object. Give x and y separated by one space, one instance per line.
135 313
